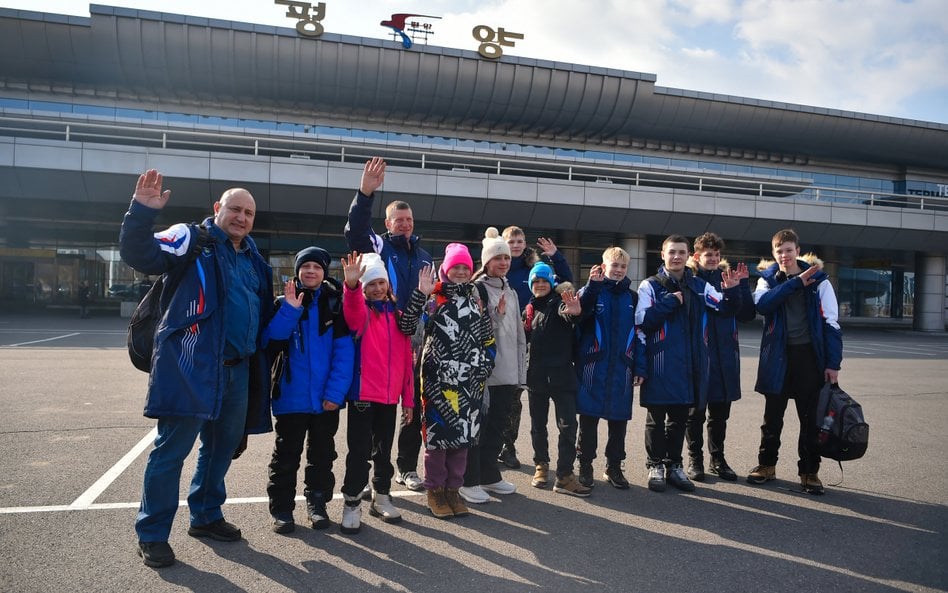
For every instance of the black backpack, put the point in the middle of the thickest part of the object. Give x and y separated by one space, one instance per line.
141 327
842 431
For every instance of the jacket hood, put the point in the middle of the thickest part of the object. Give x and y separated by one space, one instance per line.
723 265
810 259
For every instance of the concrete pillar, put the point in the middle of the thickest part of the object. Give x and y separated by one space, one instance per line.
929 293
635 246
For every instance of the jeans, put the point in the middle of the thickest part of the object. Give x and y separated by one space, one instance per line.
482 458
176 438
588 440
370 430
564 404
664 434
319 431
409 436
717 414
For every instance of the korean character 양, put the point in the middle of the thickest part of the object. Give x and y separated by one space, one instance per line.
486 36
308 24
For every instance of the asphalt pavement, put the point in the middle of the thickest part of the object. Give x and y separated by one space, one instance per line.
73 444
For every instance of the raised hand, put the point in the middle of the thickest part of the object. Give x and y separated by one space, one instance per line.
596 273
730 278
148 190
352 268
427 280
807 275
502 303
290 296
571 303
742 272
373 174
546 246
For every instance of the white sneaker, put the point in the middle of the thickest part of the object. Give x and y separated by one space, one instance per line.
500 487
383 508
474 494
351 517
410 480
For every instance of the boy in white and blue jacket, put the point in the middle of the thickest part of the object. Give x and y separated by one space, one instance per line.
312 375
672 316
800 349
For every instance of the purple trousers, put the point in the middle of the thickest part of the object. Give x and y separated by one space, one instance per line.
444 468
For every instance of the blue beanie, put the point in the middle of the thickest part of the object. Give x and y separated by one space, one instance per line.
543 272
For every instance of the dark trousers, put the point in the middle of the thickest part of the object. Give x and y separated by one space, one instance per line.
717 414
664 434
409 436
512 429
370 430
588 440
803 382
564 405
482 457
319 431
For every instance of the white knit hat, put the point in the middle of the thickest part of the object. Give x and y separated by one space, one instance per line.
373 268
493 245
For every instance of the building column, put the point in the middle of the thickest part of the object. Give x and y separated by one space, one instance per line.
929 293
635 246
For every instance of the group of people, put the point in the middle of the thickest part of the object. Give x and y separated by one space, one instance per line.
454 345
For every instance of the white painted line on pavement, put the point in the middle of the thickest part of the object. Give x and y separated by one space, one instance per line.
43 340
59 508
89 496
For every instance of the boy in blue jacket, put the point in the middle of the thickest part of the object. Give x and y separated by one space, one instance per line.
607 365
800 349
672 313
724 377
312 375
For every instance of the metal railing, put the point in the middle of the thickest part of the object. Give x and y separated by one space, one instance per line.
427 156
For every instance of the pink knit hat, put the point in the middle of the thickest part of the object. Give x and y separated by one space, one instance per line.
454 254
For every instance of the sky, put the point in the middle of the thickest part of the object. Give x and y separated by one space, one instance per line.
883 57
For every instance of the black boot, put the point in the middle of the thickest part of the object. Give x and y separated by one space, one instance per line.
316 509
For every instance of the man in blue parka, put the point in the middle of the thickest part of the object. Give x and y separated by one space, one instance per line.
608 365
801 349
208 376
672 318
403 257
724 377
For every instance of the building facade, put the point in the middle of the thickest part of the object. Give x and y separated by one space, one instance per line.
590 157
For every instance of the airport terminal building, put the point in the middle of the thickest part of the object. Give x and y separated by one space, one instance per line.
590 157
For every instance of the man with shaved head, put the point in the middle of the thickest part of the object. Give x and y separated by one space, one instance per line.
208 375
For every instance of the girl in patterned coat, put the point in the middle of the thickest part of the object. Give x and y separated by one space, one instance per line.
457 358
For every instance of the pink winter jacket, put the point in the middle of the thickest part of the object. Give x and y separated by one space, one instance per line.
385 352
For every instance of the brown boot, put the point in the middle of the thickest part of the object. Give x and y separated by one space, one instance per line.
455 501
541 477
438 505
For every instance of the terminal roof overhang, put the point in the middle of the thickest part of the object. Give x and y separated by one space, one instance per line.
134 57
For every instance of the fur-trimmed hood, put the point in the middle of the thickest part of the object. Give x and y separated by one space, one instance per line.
810 259
723 265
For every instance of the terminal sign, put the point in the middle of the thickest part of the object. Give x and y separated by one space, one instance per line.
493 42
307 24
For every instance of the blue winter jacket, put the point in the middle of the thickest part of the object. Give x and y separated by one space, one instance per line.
608 354
520 268
187 372
725 351
319 366
822 309
403 257
675 336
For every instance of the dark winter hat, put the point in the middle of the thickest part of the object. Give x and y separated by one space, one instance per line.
541 271
316 254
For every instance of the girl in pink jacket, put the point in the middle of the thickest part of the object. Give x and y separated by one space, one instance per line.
382 377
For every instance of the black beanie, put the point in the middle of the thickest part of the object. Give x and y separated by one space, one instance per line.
316 254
